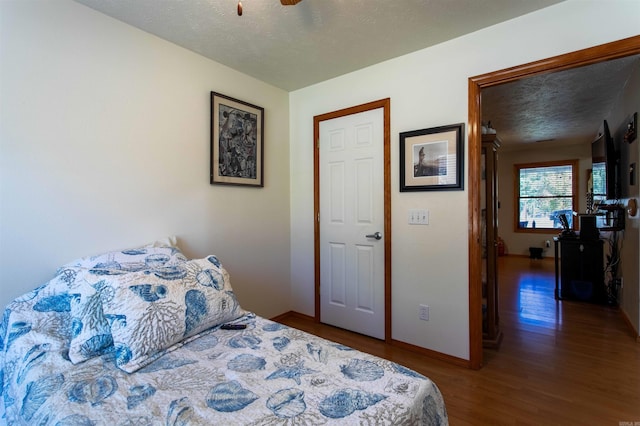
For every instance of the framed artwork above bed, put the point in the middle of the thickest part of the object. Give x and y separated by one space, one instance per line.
237 135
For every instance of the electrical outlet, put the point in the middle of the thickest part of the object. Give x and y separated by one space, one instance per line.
547 244
423 312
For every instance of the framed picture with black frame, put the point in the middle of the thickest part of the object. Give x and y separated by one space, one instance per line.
237 142
432 159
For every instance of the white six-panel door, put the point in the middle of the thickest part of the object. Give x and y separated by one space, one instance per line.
351 212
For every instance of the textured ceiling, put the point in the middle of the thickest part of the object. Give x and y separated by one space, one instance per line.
295 46
292 47
564 107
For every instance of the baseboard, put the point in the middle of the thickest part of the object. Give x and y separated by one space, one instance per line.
432 354
407 346
292 314
528 257
630 325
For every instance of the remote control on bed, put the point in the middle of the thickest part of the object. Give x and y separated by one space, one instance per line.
233 326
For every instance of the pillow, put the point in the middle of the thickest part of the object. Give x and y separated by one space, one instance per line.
40 316
153 255
90 328
151 313
56 311
90 331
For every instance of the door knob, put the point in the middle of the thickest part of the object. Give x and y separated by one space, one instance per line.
376 235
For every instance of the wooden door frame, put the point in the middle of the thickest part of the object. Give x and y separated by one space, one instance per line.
614 50
385 104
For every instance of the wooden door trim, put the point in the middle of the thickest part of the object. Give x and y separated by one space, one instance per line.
614 50
385 104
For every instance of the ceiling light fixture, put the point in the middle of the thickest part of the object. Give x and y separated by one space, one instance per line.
282 2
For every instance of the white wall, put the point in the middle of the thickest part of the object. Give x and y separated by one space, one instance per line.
429 88
104 144
628 103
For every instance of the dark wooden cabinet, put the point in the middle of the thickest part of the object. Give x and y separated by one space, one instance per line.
491 333
581 270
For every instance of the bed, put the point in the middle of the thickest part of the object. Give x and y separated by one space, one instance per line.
136 337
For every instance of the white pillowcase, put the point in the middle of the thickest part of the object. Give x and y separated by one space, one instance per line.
90 330
156 254
153 312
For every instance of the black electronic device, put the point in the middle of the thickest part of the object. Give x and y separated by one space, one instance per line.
233 326
605 167
588 228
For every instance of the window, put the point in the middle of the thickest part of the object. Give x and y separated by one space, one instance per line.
545 192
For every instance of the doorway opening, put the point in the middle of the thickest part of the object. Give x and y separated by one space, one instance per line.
609 51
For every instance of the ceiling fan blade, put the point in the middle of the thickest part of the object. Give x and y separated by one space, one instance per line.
289 2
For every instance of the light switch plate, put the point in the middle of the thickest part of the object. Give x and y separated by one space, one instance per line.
418 217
